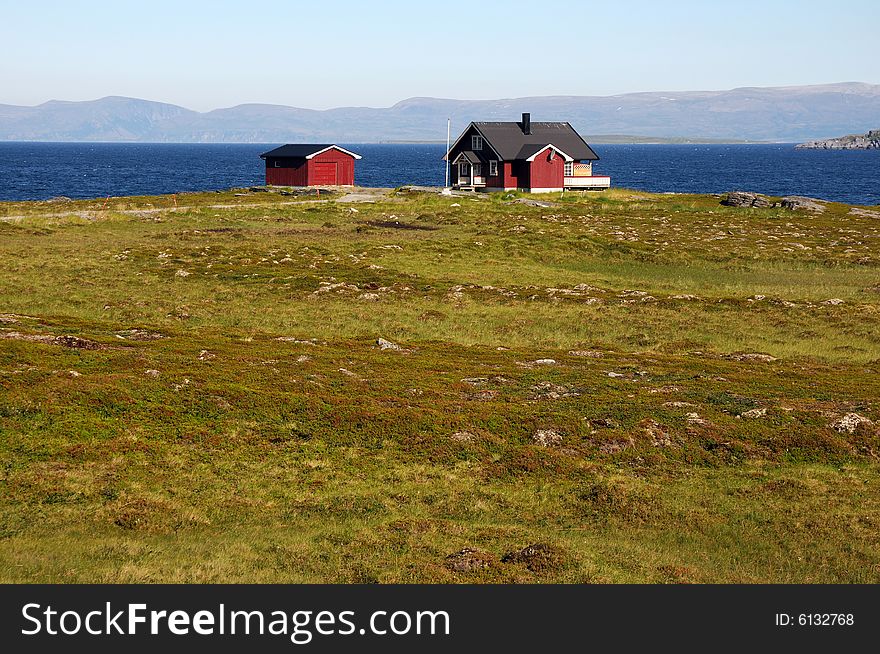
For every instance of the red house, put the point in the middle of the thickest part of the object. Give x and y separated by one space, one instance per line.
525 156
309 165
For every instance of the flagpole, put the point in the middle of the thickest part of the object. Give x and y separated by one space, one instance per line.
448 123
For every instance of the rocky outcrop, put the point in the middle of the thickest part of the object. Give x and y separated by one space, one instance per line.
469 559
745 199
796 202
793 202
869 141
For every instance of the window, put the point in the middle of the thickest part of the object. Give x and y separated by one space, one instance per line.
463 168
476 143
277 164
569 168
493 168
478 170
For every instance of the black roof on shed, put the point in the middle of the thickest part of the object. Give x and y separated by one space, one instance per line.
303 150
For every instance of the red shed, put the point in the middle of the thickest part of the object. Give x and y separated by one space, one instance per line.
297 164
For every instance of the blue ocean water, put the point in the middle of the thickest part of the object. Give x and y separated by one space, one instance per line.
36 171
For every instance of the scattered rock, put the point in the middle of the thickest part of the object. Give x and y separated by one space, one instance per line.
864 213
678 404
615 375
139 335
754 413
298 341
745 199
544 362
66 340
74 373
204 355
833 302
615 445
849 423
547 438
302 358
537 557
656 433
182 273
387 345
532 203
751 356
78 343
180 387
469 560
603 423
353 375
695 420
796 202
665 390
151 373
475 381
546 390
463 437
592 354
369 297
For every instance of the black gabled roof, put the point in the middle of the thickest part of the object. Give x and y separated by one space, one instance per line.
509 141
303 150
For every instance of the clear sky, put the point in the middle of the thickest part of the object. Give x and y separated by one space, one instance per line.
328 53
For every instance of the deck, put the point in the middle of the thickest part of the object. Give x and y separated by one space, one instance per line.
588 182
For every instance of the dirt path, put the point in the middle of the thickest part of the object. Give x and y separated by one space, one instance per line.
91 214
359 195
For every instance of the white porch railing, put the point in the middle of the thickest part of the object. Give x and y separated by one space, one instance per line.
594 181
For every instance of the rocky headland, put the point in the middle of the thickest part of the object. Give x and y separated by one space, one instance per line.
868 141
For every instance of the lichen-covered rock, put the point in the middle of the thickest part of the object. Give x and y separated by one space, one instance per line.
386 344
796 202
468 559
537 557
752 356
745 199
545 390
656 433
849 423
547 438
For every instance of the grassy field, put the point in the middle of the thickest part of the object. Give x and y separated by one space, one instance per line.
652 388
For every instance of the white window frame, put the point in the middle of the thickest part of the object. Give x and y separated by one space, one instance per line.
476 142
569 169
277 164
493 168
463 170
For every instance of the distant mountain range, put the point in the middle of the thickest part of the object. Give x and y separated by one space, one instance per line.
787 114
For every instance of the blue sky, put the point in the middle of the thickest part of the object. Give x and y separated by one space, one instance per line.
328 53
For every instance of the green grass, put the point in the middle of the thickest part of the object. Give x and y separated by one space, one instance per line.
216 452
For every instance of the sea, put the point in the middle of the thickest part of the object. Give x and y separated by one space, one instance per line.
40 171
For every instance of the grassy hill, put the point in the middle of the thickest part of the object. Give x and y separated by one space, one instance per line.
654 388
